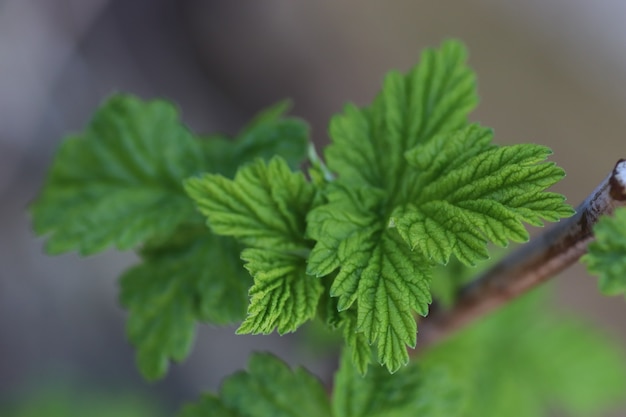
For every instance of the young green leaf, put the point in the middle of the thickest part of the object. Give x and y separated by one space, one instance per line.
283 296
356 342
268 388
120 182
351 231
376 268
415 185
474 192
264 207
434 97
524 361
607 254
346 321
270 133
413 391
196 277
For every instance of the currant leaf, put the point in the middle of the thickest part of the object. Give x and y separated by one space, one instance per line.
425 392
415 185
196 277
607 254
470 198
265 207
267 388
120 182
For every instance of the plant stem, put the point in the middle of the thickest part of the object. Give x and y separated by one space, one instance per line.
317 163
530 265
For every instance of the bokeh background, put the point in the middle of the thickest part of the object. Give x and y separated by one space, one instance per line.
549 71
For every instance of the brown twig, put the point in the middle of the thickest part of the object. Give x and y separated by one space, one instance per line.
530 265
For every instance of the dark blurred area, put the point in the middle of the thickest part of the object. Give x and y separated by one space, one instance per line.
551 72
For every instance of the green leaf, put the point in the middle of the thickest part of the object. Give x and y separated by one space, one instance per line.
346 321
356 342
283 296
464 199
377 268
197 276
436 96
268 388
607 254
264 207
524 361
120 182
352 230
413 391
415 185
269 134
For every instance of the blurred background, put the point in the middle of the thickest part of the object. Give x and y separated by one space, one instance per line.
549 71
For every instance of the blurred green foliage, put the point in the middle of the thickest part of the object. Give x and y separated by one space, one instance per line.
69 399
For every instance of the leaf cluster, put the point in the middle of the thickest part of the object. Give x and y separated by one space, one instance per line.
415 184
119 184
231 230
495 368
270 388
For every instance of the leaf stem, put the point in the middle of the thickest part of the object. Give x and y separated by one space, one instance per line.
318 163
530 265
